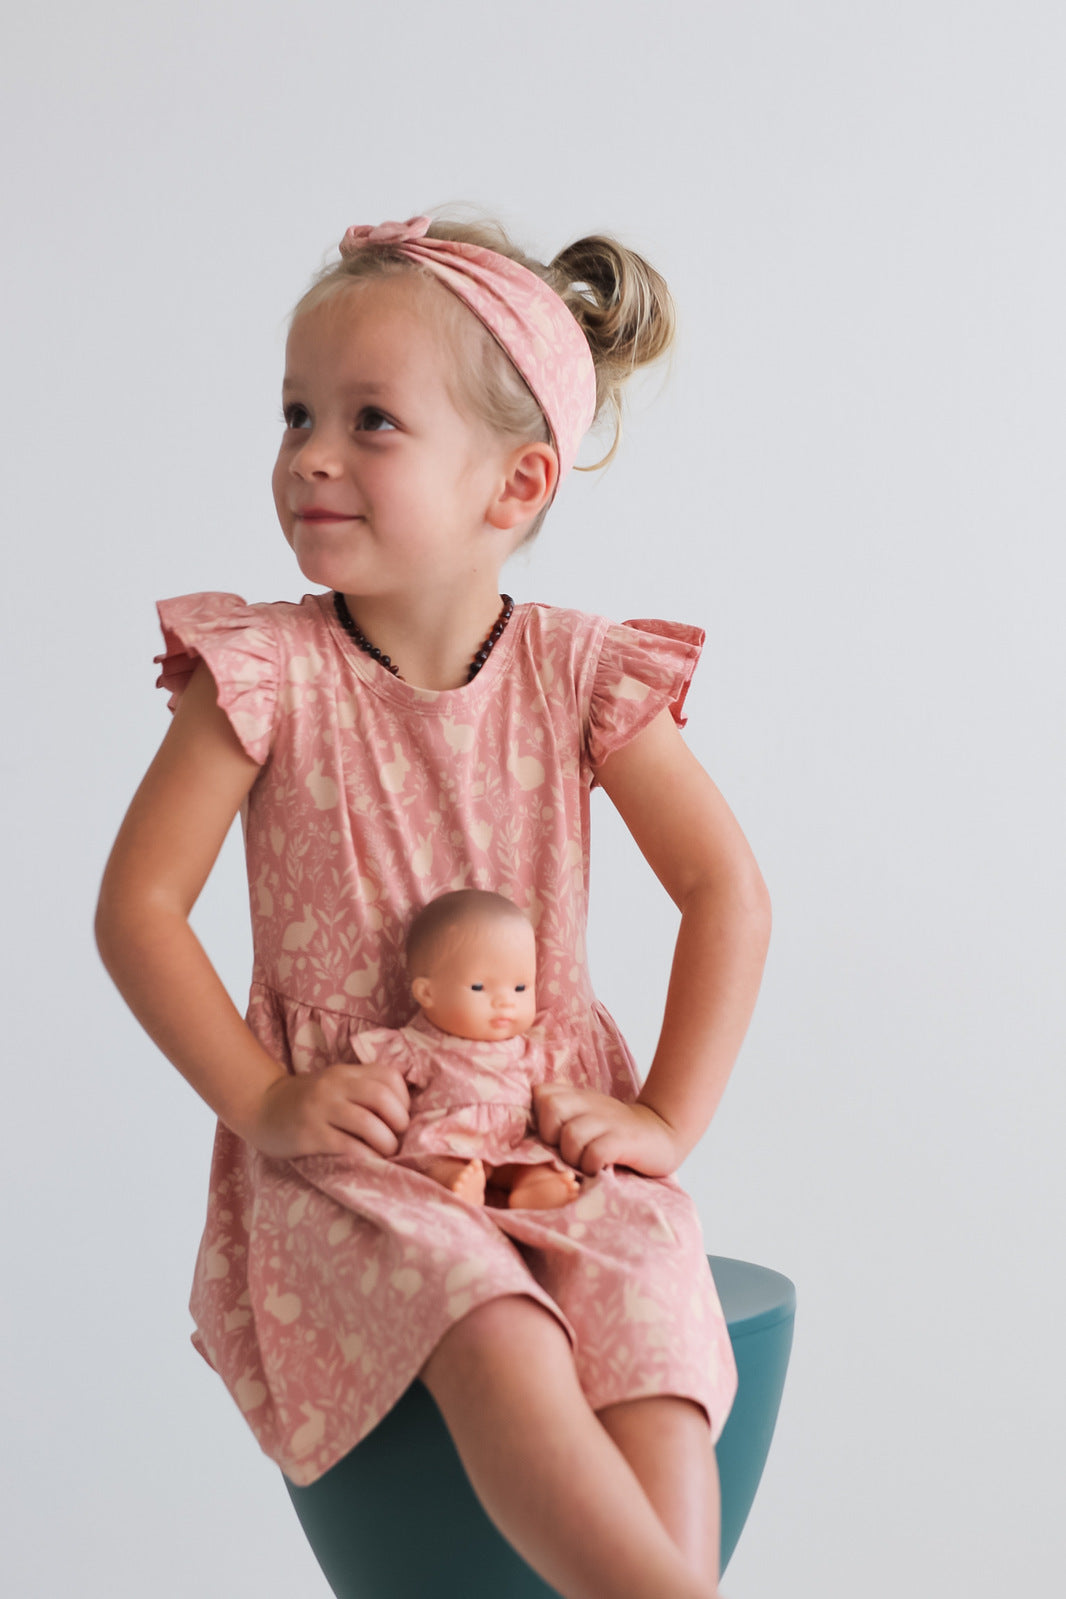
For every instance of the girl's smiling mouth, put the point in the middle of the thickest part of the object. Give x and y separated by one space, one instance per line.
318 513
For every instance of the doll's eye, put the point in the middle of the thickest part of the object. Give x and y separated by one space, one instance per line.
478 987
520 988
296 416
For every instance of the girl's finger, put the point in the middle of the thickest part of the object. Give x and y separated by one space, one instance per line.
576 1137
362 1124
566 1128
382 1099
393 1079
600 1152
384 1091
549 1118
557 1106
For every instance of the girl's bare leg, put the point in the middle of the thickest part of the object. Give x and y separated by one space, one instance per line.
667 1442
542 1464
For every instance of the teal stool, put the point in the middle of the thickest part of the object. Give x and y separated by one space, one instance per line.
449 1546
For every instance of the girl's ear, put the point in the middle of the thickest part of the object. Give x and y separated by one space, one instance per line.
422 991
532 473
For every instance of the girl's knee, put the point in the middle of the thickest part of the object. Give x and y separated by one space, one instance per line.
513 1331
658 1411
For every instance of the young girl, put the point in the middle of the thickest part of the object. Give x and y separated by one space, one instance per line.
404 733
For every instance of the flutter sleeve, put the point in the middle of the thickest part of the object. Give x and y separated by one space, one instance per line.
240 646
644 667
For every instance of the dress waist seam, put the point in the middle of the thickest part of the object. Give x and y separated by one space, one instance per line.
309 1004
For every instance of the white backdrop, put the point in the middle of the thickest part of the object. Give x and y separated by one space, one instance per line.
852 477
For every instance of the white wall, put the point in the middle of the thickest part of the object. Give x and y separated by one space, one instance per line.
853 479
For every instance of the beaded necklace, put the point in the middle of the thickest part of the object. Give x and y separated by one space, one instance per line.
356 634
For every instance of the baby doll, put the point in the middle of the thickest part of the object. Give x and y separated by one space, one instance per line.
470 1057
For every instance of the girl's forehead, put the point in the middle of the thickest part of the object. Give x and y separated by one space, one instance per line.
372 315
397 342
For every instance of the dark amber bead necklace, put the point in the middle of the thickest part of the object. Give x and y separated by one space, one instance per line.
357 636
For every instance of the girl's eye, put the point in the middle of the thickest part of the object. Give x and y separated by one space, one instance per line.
296 416
478 987
371 421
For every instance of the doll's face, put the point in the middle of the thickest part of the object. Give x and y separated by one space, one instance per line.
482 982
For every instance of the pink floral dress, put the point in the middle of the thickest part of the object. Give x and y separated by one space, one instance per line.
323 1284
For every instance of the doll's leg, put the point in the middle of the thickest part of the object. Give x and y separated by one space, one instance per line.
667 1442
543 1465
536 1187
465 1178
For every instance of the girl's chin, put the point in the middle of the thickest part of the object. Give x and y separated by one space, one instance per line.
321 561
327 574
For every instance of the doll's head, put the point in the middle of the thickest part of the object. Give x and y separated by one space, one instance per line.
472 961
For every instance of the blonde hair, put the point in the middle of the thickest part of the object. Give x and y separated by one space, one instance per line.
428 934
619 301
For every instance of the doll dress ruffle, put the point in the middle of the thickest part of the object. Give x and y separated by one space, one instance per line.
323 1284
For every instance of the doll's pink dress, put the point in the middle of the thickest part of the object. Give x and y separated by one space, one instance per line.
472 1097
323 1284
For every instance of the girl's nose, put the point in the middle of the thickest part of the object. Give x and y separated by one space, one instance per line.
316 458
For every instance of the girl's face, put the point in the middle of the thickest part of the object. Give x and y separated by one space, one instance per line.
381 484
483 981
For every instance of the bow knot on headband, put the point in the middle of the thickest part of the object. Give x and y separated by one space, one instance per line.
385 233
528 320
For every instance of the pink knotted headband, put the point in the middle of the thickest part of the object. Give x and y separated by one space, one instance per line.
526 318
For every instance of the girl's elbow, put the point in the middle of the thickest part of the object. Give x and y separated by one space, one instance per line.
751 906
125 914
108 926
759 908
742 896
753 887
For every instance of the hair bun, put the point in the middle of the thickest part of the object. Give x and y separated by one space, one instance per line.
625 310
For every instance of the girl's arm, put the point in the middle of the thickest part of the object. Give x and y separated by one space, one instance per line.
165 850
692 842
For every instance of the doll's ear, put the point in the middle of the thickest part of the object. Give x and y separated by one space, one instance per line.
422 991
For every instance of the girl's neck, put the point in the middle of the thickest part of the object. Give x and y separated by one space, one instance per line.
430 637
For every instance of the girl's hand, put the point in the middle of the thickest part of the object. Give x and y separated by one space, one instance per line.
592 1130
328 1112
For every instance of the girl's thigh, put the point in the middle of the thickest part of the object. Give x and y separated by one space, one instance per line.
626 1265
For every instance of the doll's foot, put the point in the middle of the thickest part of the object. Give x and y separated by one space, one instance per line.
543 1188
469 1184
465 1178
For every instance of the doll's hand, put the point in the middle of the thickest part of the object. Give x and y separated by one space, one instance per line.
593 1130
325 1112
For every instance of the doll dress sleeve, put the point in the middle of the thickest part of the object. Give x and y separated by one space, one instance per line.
555 1049
393 1044
644 667
239 643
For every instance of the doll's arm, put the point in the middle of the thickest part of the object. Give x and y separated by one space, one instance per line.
692 842
164 852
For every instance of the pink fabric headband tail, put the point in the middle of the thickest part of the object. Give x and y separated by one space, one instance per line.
525 317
